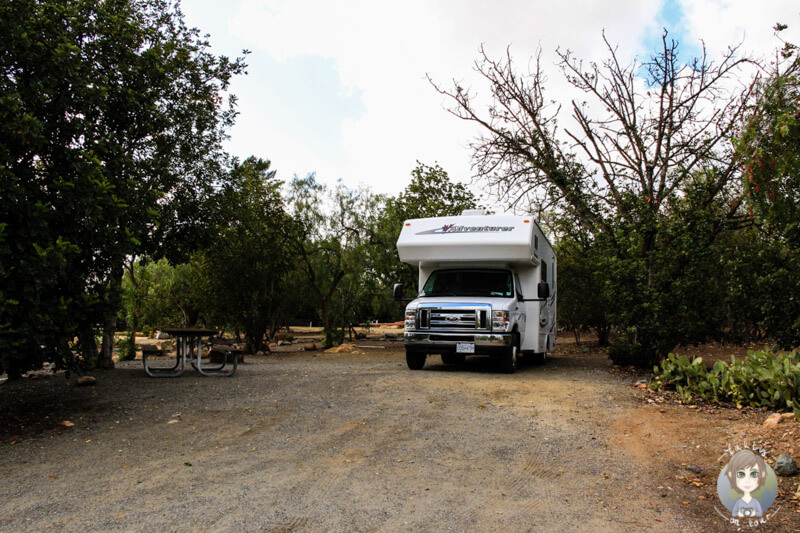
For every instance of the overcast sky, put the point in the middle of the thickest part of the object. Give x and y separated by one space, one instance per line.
338 87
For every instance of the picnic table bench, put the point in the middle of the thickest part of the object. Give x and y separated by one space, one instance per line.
188 346
218 353
150 349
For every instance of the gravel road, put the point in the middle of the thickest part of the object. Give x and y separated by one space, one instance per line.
309 441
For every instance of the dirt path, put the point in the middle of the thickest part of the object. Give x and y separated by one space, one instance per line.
345 442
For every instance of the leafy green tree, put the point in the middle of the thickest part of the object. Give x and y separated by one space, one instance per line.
769 148
430 194
760 276
247 269
333 231
157 295
132 303
621 174
742 264
681 300
778 290
112 125
769 145
583 294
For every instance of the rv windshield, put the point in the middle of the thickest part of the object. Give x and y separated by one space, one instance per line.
469 282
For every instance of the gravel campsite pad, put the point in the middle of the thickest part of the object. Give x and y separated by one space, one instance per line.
312 441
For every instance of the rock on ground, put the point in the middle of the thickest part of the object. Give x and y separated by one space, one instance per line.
785 466
84 381
343 348
773 420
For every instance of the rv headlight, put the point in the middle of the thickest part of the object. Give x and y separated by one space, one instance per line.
500 321
410 318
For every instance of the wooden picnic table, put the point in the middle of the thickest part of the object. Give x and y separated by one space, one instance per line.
188 346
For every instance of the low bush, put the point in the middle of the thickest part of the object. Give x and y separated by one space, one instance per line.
625 352
124 351
762 379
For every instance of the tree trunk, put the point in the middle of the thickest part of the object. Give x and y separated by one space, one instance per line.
331 334
106 359
255 339
273 329
326 327
132 337
603 334
135 315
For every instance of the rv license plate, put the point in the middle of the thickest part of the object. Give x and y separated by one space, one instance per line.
465 347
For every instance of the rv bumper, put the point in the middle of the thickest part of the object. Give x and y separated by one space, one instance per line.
485 343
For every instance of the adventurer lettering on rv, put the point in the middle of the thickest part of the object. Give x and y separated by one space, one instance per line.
452 228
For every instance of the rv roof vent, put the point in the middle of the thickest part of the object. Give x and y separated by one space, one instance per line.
473 212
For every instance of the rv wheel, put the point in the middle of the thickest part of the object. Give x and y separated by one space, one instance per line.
510 358
415 360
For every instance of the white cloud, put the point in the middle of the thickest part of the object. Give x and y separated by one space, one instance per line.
384 50
255 134
721 23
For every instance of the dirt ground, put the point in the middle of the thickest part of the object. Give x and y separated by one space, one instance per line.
313 441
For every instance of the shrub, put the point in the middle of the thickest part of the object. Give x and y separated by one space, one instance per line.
762 379
123 346
626 352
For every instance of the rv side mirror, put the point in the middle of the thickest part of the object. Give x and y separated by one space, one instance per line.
544 290
397 291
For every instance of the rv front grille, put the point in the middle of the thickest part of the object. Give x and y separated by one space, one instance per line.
453 318
424 320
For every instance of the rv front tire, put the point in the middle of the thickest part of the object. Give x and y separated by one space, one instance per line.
414 359
510 358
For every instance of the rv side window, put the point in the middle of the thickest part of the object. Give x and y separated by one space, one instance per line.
544 271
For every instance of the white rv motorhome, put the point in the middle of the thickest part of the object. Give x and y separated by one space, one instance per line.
487 285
